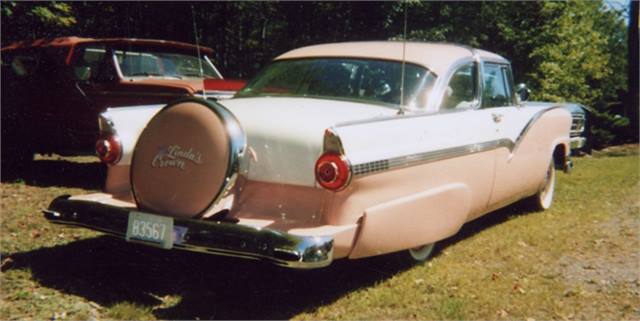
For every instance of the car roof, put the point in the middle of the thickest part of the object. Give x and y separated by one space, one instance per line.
72 41
437 57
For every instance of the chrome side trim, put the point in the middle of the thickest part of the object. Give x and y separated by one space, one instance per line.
381 165
211 237
369 168
140 94
206 58
530 124
437 93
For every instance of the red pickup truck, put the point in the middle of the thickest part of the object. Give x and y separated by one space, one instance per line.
54 89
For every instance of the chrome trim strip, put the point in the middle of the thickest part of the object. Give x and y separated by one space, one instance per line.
532 121
437 93
140 93
211 237
206 58
376 166
369 168
216 95
408 114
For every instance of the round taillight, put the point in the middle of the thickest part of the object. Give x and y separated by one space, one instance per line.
333 171
109 149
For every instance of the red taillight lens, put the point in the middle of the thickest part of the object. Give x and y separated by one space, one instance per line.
109 149
333 171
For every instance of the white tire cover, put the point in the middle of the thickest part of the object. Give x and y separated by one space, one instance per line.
181 160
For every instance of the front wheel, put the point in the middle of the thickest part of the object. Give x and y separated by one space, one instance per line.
543 199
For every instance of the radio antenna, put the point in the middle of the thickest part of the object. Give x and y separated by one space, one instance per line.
404 50
195 33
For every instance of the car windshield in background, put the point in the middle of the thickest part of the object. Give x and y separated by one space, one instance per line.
163 64
377 81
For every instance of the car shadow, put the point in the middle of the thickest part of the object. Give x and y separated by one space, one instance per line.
46 173
107 271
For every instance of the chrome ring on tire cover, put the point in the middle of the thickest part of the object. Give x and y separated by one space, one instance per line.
237 146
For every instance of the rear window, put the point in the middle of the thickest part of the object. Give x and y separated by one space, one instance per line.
138 62
368 80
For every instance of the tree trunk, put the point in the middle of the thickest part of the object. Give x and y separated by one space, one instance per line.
633 96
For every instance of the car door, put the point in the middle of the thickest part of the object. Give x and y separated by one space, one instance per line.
461 124
513 173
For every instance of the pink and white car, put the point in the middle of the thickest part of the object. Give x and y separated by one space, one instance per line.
344 150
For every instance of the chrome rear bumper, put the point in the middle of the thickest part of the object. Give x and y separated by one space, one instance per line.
219 238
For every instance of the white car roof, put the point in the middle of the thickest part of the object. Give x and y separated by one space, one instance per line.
437 57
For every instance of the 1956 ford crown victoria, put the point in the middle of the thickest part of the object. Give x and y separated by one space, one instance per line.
344 150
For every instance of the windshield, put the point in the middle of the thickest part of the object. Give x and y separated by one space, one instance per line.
343 78
134 63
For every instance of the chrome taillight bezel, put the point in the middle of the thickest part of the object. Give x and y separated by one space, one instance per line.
341 166
112 146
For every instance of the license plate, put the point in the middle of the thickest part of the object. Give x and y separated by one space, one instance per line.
150 229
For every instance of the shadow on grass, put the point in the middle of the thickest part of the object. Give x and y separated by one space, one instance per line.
45 173
108 271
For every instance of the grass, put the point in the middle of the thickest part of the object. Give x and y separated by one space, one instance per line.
578 260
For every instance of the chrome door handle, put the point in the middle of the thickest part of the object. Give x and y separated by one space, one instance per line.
497 117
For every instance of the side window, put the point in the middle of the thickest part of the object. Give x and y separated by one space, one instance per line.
89 63
461 90
496 92
135 63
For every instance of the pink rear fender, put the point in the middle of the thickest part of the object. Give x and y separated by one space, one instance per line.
413 220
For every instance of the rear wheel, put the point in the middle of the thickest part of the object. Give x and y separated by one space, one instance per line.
421 253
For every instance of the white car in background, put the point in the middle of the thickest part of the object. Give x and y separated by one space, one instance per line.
344 150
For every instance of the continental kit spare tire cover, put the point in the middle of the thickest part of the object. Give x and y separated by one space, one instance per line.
185 158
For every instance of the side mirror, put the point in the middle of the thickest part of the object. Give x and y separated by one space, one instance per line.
523 92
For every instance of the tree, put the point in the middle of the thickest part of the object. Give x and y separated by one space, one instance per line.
633 97
23 21
565 51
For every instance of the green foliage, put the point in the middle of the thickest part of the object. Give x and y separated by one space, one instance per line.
565 51
581 57
451 309
609 128
56 14
23 21
129 311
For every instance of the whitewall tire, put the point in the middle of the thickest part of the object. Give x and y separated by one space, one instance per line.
544 198
421 253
